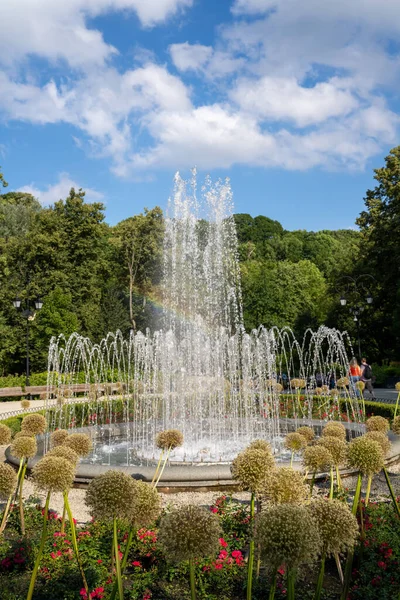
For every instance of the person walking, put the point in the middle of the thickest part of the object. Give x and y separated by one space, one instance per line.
355 375
366 376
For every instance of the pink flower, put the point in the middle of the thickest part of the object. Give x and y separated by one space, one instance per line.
236 554
223 543
218 566
137 563
223 554
214 509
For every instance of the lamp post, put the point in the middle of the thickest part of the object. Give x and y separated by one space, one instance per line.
355 291
29 314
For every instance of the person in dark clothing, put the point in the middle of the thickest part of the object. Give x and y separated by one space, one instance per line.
366 376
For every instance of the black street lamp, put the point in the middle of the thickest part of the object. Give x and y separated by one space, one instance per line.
354 291
29 314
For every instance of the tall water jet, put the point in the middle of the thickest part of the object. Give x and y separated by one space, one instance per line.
202 373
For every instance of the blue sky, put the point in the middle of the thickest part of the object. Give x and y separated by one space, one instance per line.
296 102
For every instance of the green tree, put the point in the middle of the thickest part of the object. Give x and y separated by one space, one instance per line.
3 182
138 245
380 229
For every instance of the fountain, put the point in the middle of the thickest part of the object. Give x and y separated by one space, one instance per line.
202 373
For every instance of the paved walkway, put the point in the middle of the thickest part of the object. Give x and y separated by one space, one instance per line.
12 405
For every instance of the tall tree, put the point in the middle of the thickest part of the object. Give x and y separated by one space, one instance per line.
138 244
3 182
380 228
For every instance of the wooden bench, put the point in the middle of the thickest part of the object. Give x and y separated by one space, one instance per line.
11 391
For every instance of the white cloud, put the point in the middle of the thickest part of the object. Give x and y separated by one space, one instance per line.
253 7
57 30
60 190
190 57
283 99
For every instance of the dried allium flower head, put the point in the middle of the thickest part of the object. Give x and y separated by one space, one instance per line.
343 382
5 435
34 424
294 383
382 440
60 400
334 392
285 486
53 474
360 385
336 447
365 455
170 438
278 387
377 424
189 532
325 389
25 403
295 442
251 467
24 447
58 437
8 480
396 425
318 391
337 525
287 535
397 386
334 429
110 495
146 506
64 452
80 442
306 432
260 445
20 434
317 458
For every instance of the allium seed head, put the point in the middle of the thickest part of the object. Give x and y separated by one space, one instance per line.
360 385
20 434
189 532
260 445
334 429
343 382
306 432
336 524
64 452
382 440
287 535
336 447
285 486
24 447
8 480
251 467
295 442
377 424
5 435
397 386
80 442
170 438
146 506
58 437
25 403
318 391
53 474
34 424
325 389
396 425
365 455
317 458
110 495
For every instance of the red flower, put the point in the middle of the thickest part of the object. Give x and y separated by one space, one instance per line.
223 554
218 566
381 564
213 509
237 554
223 543
137 563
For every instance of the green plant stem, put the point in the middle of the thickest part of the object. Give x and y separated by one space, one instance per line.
63 519
117 561
338 479
74 541
395 504
291 459
320 581
397 405
124 561
158 467
192 580
272 589
163 467
368 490
40 551
349 561
331 489
5 514
290 579
251 554
339 568
21 504
312 483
